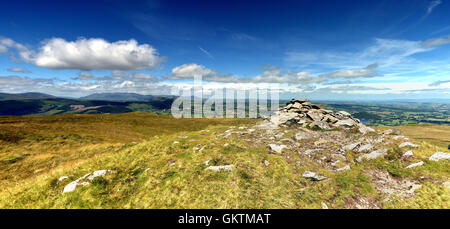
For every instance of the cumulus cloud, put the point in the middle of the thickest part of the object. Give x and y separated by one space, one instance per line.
270 75
88 54
19 70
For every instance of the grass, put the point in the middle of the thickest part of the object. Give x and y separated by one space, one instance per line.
150 171
434 134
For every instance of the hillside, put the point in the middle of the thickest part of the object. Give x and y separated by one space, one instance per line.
117 97
28 95
139 160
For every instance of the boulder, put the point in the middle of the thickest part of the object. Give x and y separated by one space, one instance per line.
280 118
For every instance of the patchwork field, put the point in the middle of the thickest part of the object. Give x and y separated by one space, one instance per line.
156 161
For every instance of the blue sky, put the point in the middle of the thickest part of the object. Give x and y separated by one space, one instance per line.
315 49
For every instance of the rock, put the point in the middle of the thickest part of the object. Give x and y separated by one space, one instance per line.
345 123
283 118
364 129
344 113
182 136
329 119
315 115
299 100
366 147
405 144
420 163
317 106
408 153
296 105
440 156
303 135
176 142
313 176
347 167
351 146
225 168
320 124
195 148
62 178
277 148
400 137
372 155
324 206
85 180
391 131
265 162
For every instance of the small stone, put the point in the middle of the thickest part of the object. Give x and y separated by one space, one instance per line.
324 206
320 124
351 146
176 142
420 163
303 135
344 113
265 163
225 168
347 167
345 123
440 156
408 153
405 144
313 176
62 178
373 155
366 147
277 148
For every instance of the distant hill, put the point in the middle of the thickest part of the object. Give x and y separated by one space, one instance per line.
28 95
118 97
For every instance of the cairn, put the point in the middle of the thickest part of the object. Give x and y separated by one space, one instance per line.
302 112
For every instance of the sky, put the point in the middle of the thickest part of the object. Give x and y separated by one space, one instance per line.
330 50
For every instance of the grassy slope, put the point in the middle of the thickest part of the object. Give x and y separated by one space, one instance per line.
152 172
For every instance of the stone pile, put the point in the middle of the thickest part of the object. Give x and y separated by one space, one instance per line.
303 112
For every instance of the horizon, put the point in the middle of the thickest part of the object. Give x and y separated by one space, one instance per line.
335 51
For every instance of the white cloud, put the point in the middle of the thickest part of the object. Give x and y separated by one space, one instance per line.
20 70
189 71
436 42
433 5
118 76
88 54
355 73
206 52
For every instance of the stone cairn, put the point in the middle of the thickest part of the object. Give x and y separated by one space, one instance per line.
303 112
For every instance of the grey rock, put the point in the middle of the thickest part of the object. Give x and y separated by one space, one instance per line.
408 153
220 168
351 146
345 123
373 155
405 144
320 124
303 135
366 147
440 156
420 163
313 176
277 148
